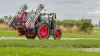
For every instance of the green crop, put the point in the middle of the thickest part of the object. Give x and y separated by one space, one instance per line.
13 51
50 43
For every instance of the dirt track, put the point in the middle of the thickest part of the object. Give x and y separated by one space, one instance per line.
17 38
89 49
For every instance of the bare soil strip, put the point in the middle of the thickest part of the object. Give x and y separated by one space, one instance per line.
89 49
17 38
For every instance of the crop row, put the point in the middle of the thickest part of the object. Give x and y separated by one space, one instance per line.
13 51
50 43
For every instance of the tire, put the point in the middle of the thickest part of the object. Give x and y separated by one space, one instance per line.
43 31
30 37
57 33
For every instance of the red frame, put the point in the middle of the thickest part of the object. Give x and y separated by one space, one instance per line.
23 26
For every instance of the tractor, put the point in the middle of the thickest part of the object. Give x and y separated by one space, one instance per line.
35 23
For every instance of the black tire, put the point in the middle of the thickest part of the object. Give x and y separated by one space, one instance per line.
54 34
30 37
39 33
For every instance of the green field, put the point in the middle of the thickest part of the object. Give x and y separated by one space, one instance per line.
8 33
14 51
51 43
47 47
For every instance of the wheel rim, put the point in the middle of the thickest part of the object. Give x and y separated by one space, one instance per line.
58 34
44 32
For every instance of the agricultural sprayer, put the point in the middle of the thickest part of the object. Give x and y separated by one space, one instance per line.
35 23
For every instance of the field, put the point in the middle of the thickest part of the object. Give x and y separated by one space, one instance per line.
47 47
13 51
51 43
7 33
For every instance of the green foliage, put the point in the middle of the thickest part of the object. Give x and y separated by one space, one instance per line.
67 22
84 24
1 21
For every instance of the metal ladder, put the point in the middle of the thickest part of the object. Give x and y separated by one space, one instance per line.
31 20
18 14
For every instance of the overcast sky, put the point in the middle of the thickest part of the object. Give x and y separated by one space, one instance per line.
65 9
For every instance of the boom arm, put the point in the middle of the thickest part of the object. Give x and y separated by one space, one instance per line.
18 14
34 17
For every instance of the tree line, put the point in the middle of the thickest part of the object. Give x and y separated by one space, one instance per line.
84 24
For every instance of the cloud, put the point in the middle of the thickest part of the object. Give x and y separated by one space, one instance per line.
65 9
98 11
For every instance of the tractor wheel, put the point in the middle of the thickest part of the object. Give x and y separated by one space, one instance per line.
43 31
57 34
30 37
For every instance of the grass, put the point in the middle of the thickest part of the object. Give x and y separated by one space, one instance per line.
95 34
7 33
13 51
47 47
78 35
50 43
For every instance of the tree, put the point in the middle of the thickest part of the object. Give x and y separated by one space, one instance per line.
86 24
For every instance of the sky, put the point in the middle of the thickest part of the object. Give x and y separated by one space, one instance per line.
65 9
